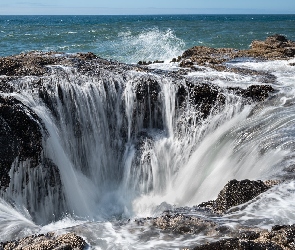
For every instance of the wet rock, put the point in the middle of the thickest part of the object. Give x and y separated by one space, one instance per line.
49 241
235 193
20 135
203 96
273 48
36 63
184 224
87 56
254 92
279 238
144 63
206 56
147 92
186 63
26 64
236 244
228 244
158 61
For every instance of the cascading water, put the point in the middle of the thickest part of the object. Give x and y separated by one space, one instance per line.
123 144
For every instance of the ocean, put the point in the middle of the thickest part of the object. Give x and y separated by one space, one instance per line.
116 144
133 38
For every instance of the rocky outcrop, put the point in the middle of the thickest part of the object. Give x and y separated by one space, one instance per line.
279 238
235 193
202 55
35 63
203 96
253 92
48 241
184 224
147 92
273 48
20 136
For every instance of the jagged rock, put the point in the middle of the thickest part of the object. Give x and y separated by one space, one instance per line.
26 64
147 92
279 238
186 63
184 224
236 244
35 63
202 55
144 63
235 193
203 96
254 92
273 48
158 61
20 135
48 241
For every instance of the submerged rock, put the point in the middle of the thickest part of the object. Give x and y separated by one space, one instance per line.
49 241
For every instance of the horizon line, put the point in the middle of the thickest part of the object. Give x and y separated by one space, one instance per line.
62 10
144 14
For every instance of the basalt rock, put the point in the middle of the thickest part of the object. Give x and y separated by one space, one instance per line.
48 241
201 95
253 92
20 136
26 64
279 238
36 63
235 193
184 224
273 48
202 55
147 92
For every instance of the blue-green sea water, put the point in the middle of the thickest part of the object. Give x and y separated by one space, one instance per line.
133 38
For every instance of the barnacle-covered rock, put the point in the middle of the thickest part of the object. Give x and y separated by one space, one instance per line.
49 241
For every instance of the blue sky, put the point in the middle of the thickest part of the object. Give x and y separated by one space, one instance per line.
99 7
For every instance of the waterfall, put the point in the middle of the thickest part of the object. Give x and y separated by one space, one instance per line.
123 143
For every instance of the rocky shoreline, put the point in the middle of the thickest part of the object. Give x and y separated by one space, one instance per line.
276 47
21 135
